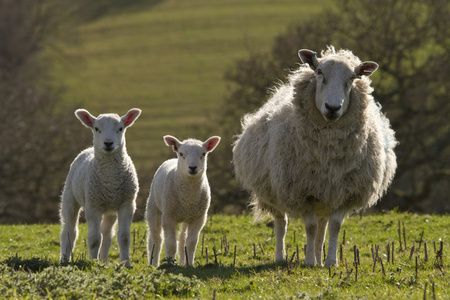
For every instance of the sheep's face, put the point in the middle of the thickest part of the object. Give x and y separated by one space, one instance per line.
108 129
334 80
192 154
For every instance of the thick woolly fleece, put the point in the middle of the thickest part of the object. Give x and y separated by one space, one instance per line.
295 162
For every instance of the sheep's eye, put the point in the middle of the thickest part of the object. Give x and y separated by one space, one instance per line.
96 129
203 155
319 72
181 154
120 129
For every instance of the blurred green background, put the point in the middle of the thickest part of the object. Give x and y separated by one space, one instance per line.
195 68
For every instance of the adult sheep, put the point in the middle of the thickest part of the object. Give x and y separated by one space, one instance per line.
319 149
103 181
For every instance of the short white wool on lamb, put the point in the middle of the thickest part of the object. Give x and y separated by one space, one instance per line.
102 181
179 193
319 149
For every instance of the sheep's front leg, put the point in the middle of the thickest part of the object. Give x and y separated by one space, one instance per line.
334 227
320 237
311 225
106 229
170 236
94 238
125 215
194 229
280 226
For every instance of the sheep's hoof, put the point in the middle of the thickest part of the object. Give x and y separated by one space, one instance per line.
330 262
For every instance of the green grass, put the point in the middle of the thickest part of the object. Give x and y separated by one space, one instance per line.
169 59
29 264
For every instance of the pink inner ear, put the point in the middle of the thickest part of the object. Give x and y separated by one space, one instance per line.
87 119
129 119
211 144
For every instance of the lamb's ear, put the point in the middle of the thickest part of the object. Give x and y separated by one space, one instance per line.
308 57
366 68
85 117
211 143
131 116
173 142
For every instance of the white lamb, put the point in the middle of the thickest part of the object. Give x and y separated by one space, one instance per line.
179 193
102 180
319 149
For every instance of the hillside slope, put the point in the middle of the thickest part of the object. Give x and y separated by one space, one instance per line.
169 60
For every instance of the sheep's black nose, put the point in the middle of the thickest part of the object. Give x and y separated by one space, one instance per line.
108 144
332 108
193 168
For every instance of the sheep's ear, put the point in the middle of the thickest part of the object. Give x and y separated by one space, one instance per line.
211 143
173 142
131 116
308 57
85 117
366 68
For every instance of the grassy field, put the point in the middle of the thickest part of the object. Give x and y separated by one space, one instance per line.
29 268
169 60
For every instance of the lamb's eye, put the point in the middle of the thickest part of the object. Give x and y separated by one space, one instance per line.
319 72
203 155
181 154
96 129
120 129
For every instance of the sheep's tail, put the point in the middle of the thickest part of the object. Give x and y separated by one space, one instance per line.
260 213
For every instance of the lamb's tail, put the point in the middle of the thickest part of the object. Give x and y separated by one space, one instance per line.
260 212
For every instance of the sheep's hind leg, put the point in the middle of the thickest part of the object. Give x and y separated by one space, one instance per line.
334 227
182 244
320 237
125 215
280 224
155 236
194 229
311 226
107 230
69 214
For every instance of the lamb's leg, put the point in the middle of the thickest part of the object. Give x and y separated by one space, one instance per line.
182 244
125 216
280 224
155 236
334 227
69 214
94 238
170 236
107 230
195 227
311 225
321 230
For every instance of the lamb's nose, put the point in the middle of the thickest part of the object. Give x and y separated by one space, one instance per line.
193 169
332 108
108 144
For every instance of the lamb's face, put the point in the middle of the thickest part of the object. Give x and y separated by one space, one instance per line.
108 129
334 80
192 154
109 132
192 157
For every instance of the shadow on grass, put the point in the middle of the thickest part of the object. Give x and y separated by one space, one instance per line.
208 271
